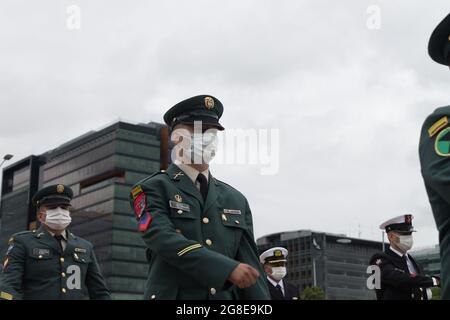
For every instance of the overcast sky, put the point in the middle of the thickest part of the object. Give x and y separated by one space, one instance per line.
348 100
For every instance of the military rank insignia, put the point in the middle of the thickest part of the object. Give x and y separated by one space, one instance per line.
136 191
437 126
140 205
5 263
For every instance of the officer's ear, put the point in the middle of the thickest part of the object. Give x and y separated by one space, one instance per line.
40 214
267 268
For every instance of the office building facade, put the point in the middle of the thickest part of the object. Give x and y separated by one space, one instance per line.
429 258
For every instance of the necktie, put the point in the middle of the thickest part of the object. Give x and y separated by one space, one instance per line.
59 239
411 272
203 185
278 287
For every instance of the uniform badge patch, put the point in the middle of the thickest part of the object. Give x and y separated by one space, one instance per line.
140 205
41 252
6 296
437 126
378 262
80 250
180 206
144 222
442 143
232 211
136 191
178 198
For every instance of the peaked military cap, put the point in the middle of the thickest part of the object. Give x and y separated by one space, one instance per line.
274 255
401 224
439 44
207 109
51 195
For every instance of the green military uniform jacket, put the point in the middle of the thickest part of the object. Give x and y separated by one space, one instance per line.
194 245
434 151
35 268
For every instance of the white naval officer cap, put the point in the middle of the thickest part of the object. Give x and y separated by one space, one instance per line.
274 255
399 224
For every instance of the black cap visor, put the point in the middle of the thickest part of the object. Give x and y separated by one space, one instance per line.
54 200
205 119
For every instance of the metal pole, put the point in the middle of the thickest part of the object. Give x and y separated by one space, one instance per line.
382 238
314 272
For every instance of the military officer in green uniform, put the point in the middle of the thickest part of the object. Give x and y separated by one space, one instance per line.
198 229
434 151
51 263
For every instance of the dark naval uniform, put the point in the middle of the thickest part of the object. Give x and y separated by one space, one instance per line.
434 151
396 281
291 291
402 277
282 289
37 268
194 244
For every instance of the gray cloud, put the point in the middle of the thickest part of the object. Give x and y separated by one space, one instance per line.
349 101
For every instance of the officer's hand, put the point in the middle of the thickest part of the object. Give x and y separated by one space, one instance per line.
244 276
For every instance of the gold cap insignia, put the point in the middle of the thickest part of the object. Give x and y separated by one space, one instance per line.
60 188
209 102
178 198
277 253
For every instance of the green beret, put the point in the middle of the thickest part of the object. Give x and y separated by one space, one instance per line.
439 44
51 195
199 108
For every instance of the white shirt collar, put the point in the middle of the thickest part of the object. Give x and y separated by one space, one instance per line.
397 252
276 283
193 173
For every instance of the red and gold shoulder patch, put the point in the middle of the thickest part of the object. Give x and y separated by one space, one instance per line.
140 205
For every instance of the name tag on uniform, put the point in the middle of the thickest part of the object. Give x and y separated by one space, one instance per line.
41 252
179 205
80 250
231 211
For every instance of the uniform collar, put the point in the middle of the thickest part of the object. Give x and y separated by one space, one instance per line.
193 173
398 252
63 234
274 283
182 181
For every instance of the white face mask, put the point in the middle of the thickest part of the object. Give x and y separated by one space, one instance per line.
405 243
57 219
278 273
200 147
